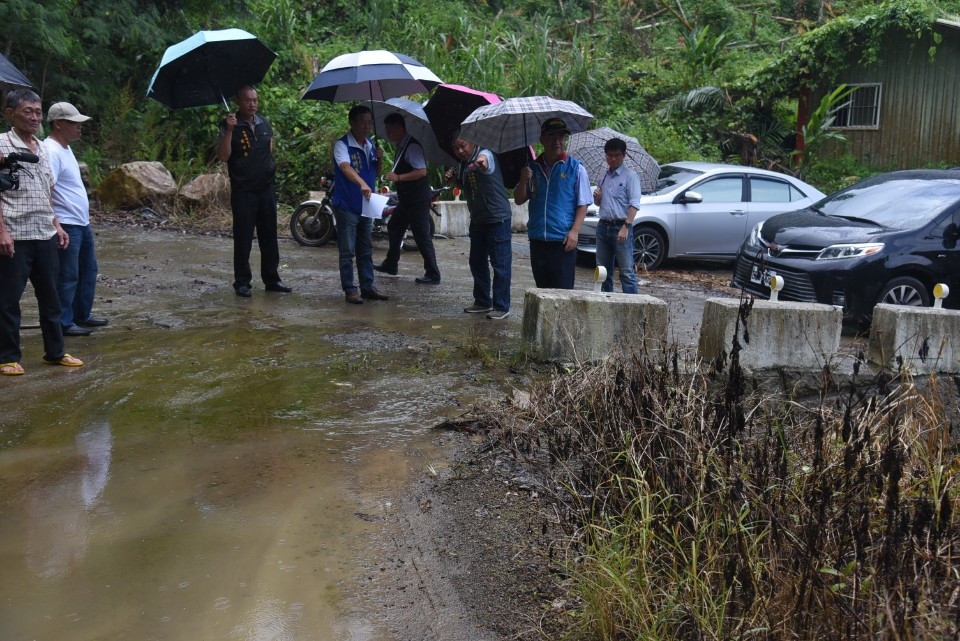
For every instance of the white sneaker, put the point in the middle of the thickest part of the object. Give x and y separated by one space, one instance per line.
498 314
477 309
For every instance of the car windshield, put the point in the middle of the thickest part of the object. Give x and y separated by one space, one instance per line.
900 204
671 176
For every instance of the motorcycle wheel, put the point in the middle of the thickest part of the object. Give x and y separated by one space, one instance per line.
312 225
410 245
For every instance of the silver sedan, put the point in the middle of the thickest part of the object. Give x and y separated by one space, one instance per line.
704 210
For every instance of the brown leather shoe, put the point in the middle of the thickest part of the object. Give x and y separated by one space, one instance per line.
373 294
354 297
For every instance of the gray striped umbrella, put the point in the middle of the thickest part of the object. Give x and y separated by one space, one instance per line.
587 146
515 122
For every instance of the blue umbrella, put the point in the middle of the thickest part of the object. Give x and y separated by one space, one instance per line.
370 75
208 66
10 76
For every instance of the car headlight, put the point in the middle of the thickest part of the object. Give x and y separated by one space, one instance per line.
752 242
851 250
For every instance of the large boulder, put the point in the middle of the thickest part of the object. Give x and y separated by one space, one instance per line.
134 184
207 191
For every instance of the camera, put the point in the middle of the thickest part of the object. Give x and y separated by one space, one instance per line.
10 169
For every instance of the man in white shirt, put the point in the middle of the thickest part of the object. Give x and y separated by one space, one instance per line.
78 261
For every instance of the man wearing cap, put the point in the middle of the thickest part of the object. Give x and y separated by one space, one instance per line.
558 189
78 260
30 236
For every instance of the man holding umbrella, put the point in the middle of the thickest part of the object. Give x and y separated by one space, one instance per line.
413 208
246 145
558 189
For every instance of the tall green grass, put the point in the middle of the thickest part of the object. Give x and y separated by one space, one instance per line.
700 510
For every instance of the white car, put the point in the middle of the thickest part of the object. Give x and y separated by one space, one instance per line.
704 210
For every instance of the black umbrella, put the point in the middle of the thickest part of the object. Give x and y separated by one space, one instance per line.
208 66
10 76
447 108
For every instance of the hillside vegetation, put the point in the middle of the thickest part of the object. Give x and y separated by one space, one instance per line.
691 79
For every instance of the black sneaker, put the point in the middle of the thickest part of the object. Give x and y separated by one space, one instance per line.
477 309
498 314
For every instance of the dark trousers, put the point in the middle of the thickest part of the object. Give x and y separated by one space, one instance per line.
553 267
38 261
255 210
491 245
416 217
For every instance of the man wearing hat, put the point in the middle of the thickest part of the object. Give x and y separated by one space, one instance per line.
78 260
558 189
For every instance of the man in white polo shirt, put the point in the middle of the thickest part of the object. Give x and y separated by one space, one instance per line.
78 261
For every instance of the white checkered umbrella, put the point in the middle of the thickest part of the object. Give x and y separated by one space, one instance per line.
515 122
370 75
587 146
417 124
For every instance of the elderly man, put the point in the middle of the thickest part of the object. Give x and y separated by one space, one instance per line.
30 235
78 261
558 189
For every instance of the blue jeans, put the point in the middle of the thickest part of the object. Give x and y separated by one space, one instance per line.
353 241
608 249
78 275
491 245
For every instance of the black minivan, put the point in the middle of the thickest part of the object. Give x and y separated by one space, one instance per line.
887 239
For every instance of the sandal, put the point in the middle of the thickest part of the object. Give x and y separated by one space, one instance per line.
66 360
11 369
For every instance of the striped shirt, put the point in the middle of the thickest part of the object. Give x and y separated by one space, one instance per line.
28 211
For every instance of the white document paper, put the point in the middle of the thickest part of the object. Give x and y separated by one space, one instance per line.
374 207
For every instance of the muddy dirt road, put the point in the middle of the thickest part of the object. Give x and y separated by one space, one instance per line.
247 469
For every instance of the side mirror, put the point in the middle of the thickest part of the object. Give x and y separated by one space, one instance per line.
952 233
689 197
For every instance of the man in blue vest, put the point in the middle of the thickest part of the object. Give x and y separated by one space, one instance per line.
558 189
356 167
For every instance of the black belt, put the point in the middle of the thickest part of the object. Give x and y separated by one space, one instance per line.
621 221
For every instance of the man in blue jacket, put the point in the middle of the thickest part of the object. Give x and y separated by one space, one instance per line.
558 189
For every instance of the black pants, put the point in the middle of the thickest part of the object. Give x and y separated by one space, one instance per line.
38 261
254 210
415 216
553 267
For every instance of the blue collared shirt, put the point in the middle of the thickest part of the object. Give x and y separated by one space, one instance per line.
621 190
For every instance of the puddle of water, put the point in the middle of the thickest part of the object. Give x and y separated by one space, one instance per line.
213 483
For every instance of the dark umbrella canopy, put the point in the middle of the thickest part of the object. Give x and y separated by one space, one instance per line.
587 146
370 75
10 76
447 108
209 66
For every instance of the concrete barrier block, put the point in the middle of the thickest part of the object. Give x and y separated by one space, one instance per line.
455 218
921 338
774 334
584 326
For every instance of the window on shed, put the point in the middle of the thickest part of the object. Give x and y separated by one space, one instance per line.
861 109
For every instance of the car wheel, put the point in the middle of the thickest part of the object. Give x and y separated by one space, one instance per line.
648 248
905 290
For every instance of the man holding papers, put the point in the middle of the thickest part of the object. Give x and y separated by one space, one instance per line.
356 167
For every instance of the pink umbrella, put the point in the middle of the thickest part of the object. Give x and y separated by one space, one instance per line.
447 108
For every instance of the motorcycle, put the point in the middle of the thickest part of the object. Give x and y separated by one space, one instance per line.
313 225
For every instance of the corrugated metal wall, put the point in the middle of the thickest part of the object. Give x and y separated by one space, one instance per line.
919 110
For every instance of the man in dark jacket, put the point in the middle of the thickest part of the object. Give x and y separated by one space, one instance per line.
413 207
246 145
491 245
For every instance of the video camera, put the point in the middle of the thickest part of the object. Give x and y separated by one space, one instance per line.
10 169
